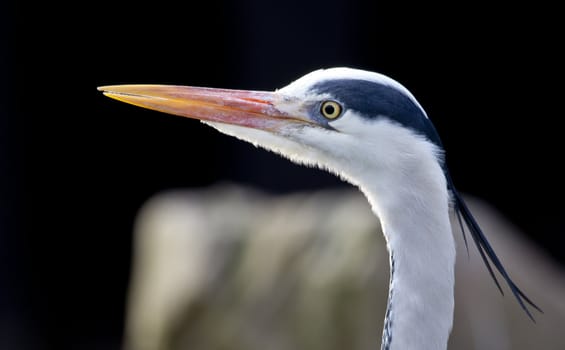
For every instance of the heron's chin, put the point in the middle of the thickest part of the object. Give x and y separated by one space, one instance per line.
284 141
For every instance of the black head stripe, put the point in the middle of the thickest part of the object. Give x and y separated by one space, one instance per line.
374 100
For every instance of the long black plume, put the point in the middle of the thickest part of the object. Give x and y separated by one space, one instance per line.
485 250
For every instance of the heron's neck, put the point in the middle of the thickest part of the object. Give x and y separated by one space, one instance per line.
415 221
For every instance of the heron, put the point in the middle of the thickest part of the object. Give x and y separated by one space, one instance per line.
369 130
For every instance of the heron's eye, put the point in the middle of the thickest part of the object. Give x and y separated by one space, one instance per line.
330 109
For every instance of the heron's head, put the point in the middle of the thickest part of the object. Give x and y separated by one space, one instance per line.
348 121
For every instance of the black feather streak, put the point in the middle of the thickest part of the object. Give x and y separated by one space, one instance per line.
373 100
485 249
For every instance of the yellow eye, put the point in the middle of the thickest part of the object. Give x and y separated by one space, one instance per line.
330 109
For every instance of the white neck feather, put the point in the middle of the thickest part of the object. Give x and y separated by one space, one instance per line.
411 200
421 246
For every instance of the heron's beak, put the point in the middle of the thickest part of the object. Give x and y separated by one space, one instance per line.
253 109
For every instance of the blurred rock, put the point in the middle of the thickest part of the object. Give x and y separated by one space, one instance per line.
230 268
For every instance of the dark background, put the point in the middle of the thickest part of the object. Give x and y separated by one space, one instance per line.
77 166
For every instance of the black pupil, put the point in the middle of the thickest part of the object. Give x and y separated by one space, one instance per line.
329 109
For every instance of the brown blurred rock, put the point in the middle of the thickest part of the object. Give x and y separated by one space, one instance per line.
229 268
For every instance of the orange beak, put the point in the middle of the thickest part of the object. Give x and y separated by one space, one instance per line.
253 109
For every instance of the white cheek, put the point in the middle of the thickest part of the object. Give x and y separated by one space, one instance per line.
353 125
